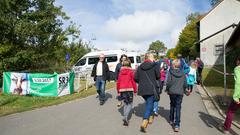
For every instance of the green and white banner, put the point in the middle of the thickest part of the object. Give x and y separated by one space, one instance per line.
38 84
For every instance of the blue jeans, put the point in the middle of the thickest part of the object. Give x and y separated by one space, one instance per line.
100 86
175 108
149 99
155 106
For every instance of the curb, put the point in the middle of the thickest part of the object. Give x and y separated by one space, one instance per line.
220 111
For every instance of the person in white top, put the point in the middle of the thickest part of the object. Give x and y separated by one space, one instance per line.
100 73
191 76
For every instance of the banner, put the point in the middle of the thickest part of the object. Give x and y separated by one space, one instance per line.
15 83
38 84
65 84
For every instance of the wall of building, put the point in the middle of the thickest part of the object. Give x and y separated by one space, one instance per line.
225 14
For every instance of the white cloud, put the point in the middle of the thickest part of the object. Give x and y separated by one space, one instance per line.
140 26
131 24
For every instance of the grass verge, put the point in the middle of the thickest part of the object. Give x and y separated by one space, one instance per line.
214 82
10 104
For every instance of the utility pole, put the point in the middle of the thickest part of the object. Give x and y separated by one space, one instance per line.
225 72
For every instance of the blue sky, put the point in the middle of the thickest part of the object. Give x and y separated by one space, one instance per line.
131 24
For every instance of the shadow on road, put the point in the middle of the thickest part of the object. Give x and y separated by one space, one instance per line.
108 96
164 113
139 110
213 122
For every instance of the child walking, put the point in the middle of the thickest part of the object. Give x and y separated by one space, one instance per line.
176 87
163 70
127 88
235 104
191 76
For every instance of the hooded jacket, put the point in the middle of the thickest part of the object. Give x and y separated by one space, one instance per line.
146 87
236 94
126 80
176 82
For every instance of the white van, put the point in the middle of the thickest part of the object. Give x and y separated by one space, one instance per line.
87 62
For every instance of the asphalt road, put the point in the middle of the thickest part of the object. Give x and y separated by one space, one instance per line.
86 117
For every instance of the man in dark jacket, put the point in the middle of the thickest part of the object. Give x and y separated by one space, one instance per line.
147 76
176 87
100 73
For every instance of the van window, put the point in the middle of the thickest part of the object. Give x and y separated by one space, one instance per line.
131 59
138 59
93 60
81 62
111 58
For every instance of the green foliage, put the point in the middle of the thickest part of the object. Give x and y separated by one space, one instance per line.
32 38
157 46
188 37
170 53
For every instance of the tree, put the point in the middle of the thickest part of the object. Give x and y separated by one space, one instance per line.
188 37
32 36
157 47
171 54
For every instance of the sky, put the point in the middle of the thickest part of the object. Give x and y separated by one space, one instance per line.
130 24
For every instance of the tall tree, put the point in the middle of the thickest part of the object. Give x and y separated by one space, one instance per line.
157 46
170 53
32 36
188 37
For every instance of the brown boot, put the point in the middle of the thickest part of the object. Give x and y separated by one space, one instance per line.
144 126
151 118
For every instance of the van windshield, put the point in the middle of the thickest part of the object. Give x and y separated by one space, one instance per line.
131 59
81 62
138 59
111 58
93 60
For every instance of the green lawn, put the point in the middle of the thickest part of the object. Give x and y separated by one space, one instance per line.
214 82
12 103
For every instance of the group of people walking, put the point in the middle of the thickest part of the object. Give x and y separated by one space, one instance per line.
148 81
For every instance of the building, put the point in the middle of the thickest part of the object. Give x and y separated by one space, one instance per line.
219 27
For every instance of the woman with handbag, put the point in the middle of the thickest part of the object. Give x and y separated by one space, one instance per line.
147 76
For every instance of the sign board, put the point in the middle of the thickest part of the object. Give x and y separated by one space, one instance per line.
218 49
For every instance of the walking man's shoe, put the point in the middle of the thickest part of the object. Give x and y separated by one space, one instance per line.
151 118
176 129
144 125
119 104
101 102
125 122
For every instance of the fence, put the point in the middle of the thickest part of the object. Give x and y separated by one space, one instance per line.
83 80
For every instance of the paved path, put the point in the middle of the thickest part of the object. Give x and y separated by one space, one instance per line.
86 117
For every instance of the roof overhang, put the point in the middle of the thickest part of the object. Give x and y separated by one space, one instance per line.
234 40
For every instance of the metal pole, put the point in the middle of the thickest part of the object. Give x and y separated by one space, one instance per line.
225 77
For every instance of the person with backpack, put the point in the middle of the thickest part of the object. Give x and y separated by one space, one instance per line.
176 87
235 104
163 70
147 76
117 71
183 65
126 87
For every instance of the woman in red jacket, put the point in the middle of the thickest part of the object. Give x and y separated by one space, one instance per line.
126 87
